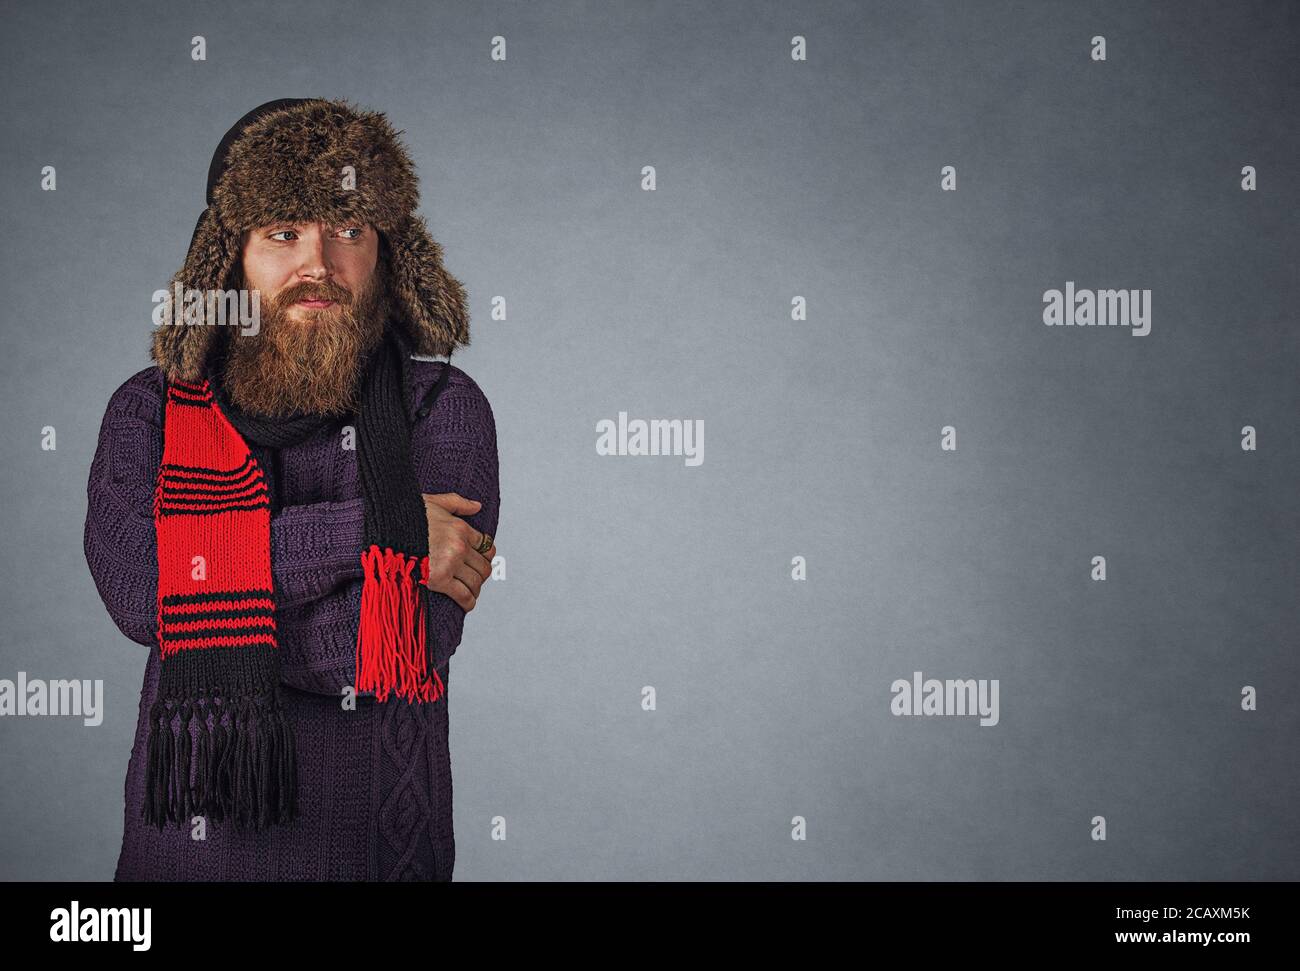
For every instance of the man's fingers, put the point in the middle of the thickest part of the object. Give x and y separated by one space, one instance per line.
473 538
463 592
453 502
469 568
471 579
478 562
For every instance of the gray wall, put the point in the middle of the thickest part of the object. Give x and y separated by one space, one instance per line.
776 178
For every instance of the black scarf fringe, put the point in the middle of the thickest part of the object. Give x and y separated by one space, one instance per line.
242 767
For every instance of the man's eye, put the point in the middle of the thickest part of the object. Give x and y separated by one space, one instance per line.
352 229
281 232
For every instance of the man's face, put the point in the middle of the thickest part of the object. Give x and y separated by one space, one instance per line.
323 304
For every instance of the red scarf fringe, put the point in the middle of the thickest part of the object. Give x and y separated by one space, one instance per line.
391 641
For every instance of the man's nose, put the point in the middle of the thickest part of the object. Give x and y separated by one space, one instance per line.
313 266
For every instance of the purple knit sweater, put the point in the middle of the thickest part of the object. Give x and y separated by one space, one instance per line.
374 783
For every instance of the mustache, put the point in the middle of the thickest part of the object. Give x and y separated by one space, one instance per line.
328 290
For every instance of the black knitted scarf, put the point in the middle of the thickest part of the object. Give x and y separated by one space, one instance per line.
216 627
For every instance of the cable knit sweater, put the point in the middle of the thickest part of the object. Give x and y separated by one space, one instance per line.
375 792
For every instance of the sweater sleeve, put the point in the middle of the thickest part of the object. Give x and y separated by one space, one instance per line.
478 479
119 539
315 548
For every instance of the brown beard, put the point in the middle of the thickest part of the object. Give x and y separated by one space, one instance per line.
308 366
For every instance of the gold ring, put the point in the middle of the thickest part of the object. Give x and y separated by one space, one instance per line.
484 545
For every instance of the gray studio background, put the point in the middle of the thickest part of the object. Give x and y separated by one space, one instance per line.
776 179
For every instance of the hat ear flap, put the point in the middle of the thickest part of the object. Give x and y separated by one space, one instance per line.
180 346
430 301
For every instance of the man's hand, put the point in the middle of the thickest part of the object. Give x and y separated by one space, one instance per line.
455 566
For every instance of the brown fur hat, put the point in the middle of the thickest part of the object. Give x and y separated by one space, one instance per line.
284 161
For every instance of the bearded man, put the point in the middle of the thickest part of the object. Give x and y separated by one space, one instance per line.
296 519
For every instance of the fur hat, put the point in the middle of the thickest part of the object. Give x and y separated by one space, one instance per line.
285 161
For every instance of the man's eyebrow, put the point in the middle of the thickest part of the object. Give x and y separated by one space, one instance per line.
289 224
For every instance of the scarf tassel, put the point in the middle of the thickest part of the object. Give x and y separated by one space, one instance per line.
391 653
244 770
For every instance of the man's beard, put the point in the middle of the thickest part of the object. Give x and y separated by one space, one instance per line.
311 365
